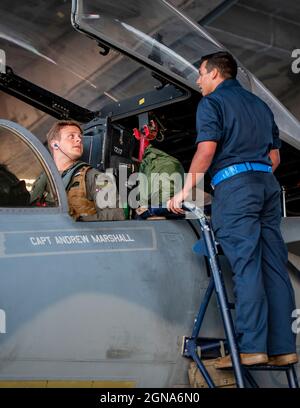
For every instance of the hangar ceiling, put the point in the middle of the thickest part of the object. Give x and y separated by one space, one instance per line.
262 35
43 47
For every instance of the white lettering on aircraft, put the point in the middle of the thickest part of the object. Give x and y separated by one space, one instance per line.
72 239
80 239
40 240
112 238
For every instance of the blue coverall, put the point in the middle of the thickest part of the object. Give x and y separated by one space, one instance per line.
246 215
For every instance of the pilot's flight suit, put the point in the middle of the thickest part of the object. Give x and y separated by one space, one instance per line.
246 216
82 184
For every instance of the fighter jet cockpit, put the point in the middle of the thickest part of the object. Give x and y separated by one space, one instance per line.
136 64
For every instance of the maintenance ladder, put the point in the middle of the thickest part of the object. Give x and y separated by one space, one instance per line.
208 247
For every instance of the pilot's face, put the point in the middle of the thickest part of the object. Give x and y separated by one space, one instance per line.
71 141
205 80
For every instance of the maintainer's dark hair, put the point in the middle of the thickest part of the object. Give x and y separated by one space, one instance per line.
223 61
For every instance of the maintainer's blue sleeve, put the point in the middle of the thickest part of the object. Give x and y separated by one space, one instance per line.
208 120
276 140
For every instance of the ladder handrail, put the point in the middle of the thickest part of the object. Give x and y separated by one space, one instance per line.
220 289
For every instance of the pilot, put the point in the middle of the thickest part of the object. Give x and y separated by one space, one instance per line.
80 179
238 141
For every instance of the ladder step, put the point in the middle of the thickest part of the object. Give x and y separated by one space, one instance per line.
268 368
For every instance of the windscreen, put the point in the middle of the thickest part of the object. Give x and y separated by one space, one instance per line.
149 30
155 32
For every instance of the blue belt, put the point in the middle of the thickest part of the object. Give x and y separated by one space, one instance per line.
230 171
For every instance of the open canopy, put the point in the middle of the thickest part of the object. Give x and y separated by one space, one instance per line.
159 36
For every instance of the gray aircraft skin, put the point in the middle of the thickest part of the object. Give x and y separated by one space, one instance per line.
108 303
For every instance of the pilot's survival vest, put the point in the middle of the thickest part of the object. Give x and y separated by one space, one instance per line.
75 184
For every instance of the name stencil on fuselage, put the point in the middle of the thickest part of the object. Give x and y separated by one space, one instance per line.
35 243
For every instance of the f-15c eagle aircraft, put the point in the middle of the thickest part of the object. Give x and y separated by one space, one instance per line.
107 303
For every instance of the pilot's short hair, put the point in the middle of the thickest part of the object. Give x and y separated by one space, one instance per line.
223 61
54 132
